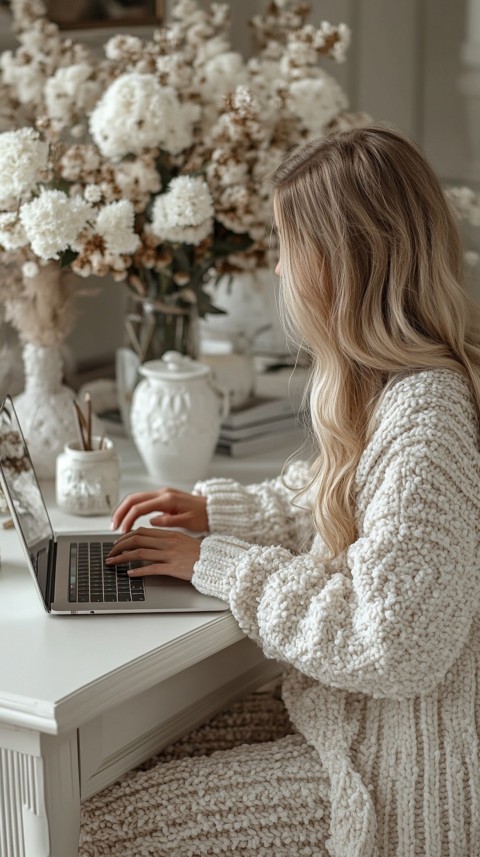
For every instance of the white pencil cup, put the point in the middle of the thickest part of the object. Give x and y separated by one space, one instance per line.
87 481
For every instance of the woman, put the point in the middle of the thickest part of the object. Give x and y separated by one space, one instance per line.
367 589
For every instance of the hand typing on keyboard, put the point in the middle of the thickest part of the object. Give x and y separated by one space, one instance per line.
174 509
159 551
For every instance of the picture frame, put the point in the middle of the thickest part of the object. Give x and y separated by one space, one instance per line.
94 14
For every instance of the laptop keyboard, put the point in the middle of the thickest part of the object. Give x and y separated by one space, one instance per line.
91 580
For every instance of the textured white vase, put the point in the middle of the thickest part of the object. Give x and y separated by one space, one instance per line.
45 408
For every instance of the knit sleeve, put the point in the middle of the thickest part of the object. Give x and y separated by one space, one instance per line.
392 614
262 514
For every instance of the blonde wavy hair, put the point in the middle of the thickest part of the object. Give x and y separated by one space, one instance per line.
372 281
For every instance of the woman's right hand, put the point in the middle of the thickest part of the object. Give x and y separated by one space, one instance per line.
176 508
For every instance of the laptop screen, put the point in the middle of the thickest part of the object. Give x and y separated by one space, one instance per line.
22 488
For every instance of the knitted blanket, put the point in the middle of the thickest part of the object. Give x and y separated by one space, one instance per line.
260 717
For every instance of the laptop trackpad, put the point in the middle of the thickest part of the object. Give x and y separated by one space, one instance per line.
164 580
169 593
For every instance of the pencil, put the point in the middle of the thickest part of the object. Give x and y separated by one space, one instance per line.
88 402
80 423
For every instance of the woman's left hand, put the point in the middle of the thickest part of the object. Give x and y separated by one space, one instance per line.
162 551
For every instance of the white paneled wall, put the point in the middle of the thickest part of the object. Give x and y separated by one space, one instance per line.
404 67
387 60
444 118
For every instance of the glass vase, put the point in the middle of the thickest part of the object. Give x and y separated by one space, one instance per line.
153 328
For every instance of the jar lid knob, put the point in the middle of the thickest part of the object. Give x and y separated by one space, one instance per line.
176 361
173 365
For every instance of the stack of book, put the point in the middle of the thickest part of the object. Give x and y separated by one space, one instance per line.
266 422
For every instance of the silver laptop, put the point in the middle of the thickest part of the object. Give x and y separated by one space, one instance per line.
68 568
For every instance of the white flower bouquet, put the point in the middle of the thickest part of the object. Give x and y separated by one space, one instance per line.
151 163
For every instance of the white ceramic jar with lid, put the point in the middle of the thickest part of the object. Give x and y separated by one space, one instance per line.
175 418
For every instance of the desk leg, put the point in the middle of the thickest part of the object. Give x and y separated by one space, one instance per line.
39 794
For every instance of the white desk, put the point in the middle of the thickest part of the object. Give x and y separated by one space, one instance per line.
85 698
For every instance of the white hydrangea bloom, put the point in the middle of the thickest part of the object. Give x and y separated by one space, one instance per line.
185 212
301 52
235 197
53 222
265 71
137 113
219 14
243 121
174 71
23 156
115 224
24 79
138 177
208 50
69 91
228 172
26 12
222 73
12 233
341 47
121 45
316 101
184 9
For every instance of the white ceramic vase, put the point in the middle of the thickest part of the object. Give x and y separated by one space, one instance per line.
249 300
45 409
175 418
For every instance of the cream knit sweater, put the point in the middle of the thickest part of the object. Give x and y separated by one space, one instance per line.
382 646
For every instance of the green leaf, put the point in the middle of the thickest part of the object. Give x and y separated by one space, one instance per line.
183 257
204 305
67 257
60 184
231 244
165 169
